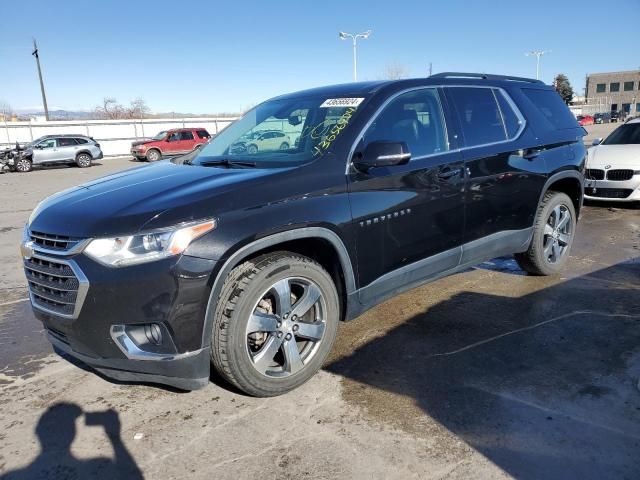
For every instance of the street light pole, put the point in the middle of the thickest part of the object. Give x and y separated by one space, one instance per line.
537 54
44 97
354 38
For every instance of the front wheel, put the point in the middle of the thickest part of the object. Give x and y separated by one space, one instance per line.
153 155
553 234
284 146
275 323
23 165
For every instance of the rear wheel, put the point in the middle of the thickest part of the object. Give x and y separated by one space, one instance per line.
153 155
83 160
23 165
553 234
275 323
284 146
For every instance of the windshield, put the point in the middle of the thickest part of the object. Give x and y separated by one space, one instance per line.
626 134
291 130
160 135
34 142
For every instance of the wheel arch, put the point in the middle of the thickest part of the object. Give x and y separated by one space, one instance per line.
570 182
319 243
80 152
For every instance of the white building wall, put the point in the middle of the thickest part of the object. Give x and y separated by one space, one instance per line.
114 136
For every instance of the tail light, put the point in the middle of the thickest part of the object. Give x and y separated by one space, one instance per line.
97 145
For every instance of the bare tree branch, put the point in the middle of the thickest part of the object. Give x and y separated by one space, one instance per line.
395 71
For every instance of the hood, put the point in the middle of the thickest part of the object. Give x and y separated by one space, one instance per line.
127 201
141 142
617 156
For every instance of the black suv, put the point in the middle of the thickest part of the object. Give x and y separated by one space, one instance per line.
247 261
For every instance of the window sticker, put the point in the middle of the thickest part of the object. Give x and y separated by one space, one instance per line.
341 102
332 133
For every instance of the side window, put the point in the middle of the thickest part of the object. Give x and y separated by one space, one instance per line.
66 142
50 143
174 137
186 135
552 107
202 134
82 141
479 115
415 118
512 123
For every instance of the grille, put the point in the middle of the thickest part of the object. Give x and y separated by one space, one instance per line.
609 192
594 174
53 285
619 175
54 242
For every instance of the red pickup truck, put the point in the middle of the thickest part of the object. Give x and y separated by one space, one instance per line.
170 143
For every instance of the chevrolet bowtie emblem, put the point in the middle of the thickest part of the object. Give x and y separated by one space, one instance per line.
26 249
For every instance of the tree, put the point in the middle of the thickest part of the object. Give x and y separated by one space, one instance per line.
138 108
563 87
395 71
112 110
5 109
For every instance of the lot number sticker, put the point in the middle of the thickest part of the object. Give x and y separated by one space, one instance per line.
341 102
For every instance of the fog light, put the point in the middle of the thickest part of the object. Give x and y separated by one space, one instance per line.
153 333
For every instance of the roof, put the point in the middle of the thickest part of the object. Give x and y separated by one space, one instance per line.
445 78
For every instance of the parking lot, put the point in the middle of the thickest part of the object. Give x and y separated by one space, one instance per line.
485 374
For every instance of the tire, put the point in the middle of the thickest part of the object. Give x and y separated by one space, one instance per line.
284 146
249 294
83 160
153 155
252 149
552 236
23 165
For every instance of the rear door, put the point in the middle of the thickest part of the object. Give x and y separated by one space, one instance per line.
187 141
503 186
408 217
67 148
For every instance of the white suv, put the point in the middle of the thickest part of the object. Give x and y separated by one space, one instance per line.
50 149
613 165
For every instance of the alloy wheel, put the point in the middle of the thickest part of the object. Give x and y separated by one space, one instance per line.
557 233
286 327
23 165
84 160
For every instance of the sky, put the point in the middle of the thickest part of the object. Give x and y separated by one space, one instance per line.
209 57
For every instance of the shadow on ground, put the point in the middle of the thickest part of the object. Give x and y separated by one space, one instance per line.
545 385
56 431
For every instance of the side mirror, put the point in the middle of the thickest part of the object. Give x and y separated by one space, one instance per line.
596 141
382 154
38 147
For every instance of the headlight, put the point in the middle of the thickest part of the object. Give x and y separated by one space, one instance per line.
146 247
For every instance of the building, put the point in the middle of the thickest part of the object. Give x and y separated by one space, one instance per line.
614 91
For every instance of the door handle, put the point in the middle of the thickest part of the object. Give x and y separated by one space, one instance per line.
447 174
531 153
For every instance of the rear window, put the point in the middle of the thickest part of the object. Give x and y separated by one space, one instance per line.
552 107
202 134
66 142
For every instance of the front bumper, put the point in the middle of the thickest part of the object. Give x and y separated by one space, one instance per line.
613 191
116 308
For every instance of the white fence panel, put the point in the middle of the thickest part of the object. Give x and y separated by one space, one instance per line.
114 136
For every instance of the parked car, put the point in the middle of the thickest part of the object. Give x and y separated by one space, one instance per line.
52 149
585 120
614 116
613 165
602 118
262 141
170 143
248 261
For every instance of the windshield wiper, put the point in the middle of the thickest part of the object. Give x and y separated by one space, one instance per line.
225 162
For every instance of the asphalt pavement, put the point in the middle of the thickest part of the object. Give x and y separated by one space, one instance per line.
489 373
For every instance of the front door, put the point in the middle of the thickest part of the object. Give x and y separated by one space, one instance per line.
408 219
45 151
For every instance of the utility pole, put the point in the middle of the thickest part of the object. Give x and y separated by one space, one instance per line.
537 54
44 96
430 68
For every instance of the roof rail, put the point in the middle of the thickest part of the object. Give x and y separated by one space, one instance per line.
484 76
